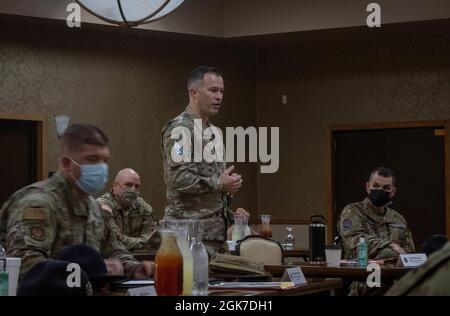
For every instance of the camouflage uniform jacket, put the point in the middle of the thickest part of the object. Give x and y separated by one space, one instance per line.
432 278
193 188
134 226
361 220
38 221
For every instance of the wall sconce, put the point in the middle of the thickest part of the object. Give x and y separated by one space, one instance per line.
62 122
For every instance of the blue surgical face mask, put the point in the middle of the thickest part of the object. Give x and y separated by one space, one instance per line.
93 177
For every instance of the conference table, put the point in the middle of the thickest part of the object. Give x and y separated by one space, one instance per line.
344 272
312 287
287 253
351 273
320 278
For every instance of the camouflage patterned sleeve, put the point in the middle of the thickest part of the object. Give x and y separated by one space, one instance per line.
30 230
409 247
400 233
149 236
148 233
113 248
134 243
187 177
351 228
106 209
150 226
431 278
229 216
140 243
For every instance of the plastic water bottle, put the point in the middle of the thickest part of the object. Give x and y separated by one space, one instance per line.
240 228
3 273
201 265
247 230
201 276
362 252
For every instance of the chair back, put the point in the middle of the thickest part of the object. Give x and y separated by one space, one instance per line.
260 249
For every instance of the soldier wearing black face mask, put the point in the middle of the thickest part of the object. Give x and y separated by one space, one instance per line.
385 231
379 197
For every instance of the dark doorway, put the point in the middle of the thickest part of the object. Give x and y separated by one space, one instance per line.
18 155
417 156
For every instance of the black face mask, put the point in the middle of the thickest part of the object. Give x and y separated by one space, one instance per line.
379 197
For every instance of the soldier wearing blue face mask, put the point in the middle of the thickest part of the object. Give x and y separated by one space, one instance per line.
93 177
38 221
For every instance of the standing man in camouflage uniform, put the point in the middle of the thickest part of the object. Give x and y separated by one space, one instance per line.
38 221
199 190
128 215
384 230
430 279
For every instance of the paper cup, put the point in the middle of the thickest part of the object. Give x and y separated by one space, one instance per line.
13 268
333 255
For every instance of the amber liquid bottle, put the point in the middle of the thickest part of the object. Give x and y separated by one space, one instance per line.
169 266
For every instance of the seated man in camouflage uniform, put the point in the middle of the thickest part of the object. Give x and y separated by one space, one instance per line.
129 216
40 220
199 189
384 230
431 279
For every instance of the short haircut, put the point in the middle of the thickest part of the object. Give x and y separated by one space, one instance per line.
78 135
199 73
384 172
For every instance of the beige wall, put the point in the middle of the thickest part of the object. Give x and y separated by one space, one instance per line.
253 17
399 73
129 85
234 18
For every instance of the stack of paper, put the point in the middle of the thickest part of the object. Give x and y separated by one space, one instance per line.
252 285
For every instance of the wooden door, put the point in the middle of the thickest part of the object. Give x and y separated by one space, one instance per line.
21 155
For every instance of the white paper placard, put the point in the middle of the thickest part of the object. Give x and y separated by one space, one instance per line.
413 259
294 275
138 282
142 291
